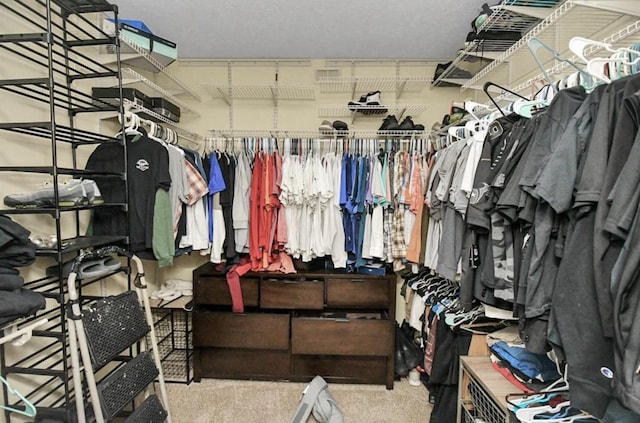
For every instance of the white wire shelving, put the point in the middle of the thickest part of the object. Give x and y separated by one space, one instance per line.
587 18
624 38
130 76
364 84
399 110
260 92
511 17
142 58
145 112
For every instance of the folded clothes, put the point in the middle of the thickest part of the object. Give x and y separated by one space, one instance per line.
534 366
8 270
10 282
20 303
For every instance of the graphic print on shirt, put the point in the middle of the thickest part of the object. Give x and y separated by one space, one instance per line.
478 193
142 165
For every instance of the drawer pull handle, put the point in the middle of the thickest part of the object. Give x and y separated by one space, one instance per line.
341 320
358 280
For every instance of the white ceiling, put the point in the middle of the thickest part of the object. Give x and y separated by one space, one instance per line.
335 29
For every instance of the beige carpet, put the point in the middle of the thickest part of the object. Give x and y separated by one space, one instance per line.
235 401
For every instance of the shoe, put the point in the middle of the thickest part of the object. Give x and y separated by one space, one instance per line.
94 196
414 378
339 125
407 124
70 193
370 106
325 126
390 123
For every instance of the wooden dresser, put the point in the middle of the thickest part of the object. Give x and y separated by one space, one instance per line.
337 325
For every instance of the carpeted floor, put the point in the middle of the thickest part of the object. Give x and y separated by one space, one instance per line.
236 401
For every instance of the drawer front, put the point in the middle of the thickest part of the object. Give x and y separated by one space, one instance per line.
234 330
224 363
215 291
335 337
358 292
342 369
292 294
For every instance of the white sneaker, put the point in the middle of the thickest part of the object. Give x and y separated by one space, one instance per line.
414 378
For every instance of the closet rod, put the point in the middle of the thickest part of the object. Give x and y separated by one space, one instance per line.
280 133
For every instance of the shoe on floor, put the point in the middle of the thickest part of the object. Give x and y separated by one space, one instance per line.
390 123
414 378
70 193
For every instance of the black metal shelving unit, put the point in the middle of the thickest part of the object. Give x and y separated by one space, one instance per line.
54 44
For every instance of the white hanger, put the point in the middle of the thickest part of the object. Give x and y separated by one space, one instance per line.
525 108
595 66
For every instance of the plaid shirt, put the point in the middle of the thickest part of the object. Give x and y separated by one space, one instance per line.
198 187
398 246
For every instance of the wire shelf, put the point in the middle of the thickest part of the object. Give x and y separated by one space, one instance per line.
575 17
260 92
73 100
157 65
367 84
378 111
63 133
136 77
623 38
517 16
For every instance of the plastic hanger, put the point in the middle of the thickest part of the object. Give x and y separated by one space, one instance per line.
535 44
485 88
595 66
525 108
29 409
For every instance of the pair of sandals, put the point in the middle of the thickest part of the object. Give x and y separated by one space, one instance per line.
92 268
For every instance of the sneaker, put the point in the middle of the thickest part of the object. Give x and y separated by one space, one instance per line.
94 196
339 125
414 378
325 126
371 105
390 123
70 193
407 124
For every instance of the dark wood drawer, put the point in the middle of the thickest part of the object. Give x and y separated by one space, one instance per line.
358 292
341 336
213 290
291 294
341 369
234 330
232 363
